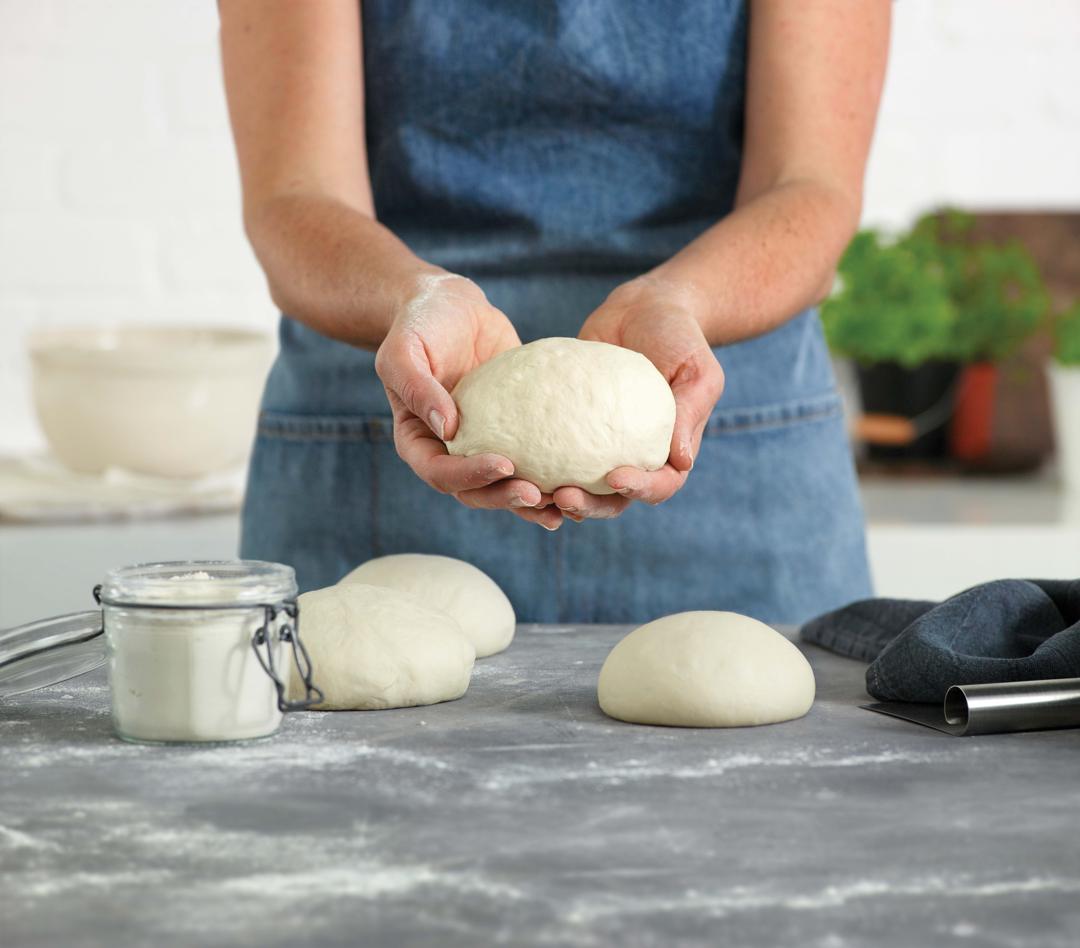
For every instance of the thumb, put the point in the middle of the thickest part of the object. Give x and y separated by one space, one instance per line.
404 368
696 385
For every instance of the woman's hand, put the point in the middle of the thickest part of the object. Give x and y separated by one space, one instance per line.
661 321
446 329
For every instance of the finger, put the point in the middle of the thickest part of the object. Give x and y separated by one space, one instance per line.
699 433
431 462
404 367
550 518
509 494
579 504
650 487
697 386
453 475
427 456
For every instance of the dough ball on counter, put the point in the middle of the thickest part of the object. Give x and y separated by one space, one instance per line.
455 587
567 412
373 648
705 669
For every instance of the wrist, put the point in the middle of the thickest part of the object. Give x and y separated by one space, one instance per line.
661 290
409 288
425 288
412 282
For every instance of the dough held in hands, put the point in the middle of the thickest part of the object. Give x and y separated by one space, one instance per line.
705 669
452 586
373 647
567 412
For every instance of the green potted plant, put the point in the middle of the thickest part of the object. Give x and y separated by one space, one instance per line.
927 318
891 314
1065 394
1000 301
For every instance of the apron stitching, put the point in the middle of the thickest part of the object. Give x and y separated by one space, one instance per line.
369 435
718 426
373 435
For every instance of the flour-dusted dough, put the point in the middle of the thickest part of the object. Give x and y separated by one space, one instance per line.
567 412
373 647
705 669
452 586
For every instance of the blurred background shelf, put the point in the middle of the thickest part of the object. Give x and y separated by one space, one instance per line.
968 502
929 538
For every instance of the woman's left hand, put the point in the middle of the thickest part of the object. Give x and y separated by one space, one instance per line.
660 320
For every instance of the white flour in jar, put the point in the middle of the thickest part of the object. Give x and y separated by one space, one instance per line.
190 674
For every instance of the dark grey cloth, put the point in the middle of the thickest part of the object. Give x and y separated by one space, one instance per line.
1007 630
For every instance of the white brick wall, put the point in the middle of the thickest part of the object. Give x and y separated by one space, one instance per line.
981 108
118 192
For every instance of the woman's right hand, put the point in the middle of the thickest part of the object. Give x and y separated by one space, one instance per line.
446 329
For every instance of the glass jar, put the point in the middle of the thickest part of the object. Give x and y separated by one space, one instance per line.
197 651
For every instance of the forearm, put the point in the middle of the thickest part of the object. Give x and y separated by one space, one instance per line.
333 267
294 82
766 261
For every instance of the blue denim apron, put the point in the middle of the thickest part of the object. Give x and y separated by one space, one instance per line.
550 150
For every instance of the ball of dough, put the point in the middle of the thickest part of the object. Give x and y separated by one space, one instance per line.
455 587
567 412
705 669
372 648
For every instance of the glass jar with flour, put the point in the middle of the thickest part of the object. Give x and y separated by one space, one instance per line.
196 651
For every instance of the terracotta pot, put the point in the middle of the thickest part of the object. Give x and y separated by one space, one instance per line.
972 429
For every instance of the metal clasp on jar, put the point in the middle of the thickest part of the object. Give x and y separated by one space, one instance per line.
289 632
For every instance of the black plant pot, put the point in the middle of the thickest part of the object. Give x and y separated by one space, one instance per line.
924 394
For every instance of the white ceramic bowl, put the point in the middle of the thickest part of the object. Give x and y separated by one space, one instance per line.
163 401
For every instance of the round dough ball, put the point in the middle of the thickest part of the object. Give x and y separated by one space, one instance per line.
567 412
705 669
455 587
373 648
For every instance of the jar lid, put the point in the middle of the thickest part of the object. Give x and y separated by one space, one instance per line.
49 651
43 653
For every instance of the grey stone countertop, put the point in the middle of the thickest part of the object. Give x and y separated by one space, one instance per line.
521 815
